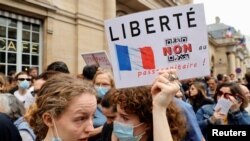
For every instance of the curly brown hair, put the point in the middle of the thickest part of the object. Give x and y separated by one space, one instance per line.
138 100
55 97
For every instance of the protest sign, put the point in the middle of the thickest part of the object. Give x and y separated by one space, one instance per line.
98 58
144 43
224 105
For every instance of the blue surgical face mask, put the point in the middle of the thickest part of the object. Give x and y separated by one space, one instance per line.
125 132
55 138
101 91
24 84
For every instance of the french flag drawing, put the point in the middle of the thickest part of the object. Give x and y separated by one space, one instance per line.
134 58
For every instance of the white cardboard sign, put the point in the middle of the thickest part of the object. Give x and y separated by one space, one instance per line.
142 44
98 58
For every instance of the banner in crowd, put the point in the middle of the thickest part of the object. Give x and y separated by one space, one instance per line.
98 58
142 44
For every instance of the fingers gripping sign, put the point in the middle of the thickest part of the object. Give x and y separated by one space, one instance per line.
164 88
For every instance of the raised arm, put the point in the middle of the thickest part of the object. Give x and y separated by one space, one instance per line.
163 90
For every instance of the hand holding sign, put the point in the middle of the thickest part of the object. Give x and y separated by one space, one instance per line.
164 89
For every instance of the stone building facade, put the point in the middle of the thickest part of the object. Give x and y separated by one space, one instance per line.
34 33
227 54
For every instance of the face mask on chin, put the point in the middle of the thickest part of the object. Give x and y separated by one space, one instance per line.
55 138
125 132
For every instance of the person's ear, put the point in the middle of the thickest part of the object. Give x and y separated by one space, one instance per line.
47 119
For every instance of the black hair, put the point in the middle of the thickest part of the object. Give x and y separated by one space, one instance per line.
58 66
89 71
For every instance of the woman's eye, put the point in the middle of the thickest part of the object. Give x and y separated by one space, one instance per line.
80 119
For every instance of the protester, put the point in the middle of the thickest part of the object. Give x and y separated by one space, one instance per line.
58 66
147 115
220 78
64 109
247 77
8 131
89 72
41 79
212 85
247 94
208 115
21 123
14 109
4 84
33 72
11 106
197 95
103 81
108 104
23 93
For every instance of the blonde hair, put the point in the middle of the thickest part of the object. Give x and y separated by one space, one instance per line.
105 71
4 83
55 97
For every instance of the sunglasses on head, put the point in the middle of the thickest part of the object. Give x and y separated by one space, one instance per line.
22 79
238 97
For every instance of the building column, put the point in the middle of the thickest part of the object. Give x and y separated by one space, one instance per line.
109 12
242 66
237 62
244 70
238 65
109 9
231 62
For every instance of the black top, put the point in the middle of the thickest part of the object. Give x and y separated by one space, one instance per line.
107 132
8 131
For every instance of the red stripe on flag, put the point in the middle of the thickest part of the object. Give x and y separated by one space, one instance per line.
147 55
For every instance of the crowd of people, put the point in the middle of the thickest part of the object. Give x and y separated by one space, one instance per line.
60 106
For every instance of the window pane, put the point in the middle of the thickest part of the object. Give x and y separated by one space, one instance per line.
3 21
25 68
26 26
11 68
2 31
2 58
34 60
2 44
12 32
12 23
35 37
35 48
2 69
26 36
35 27
11 46
26 47
25 59
12 58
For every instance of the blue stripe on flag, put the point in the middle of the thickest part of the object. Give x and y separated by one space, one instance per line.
123 57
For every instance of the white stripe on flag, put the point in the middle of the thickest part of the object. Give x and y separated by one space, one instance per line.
135 58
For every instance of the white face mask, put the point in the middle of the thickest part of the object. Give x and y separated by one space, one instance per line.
55 138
